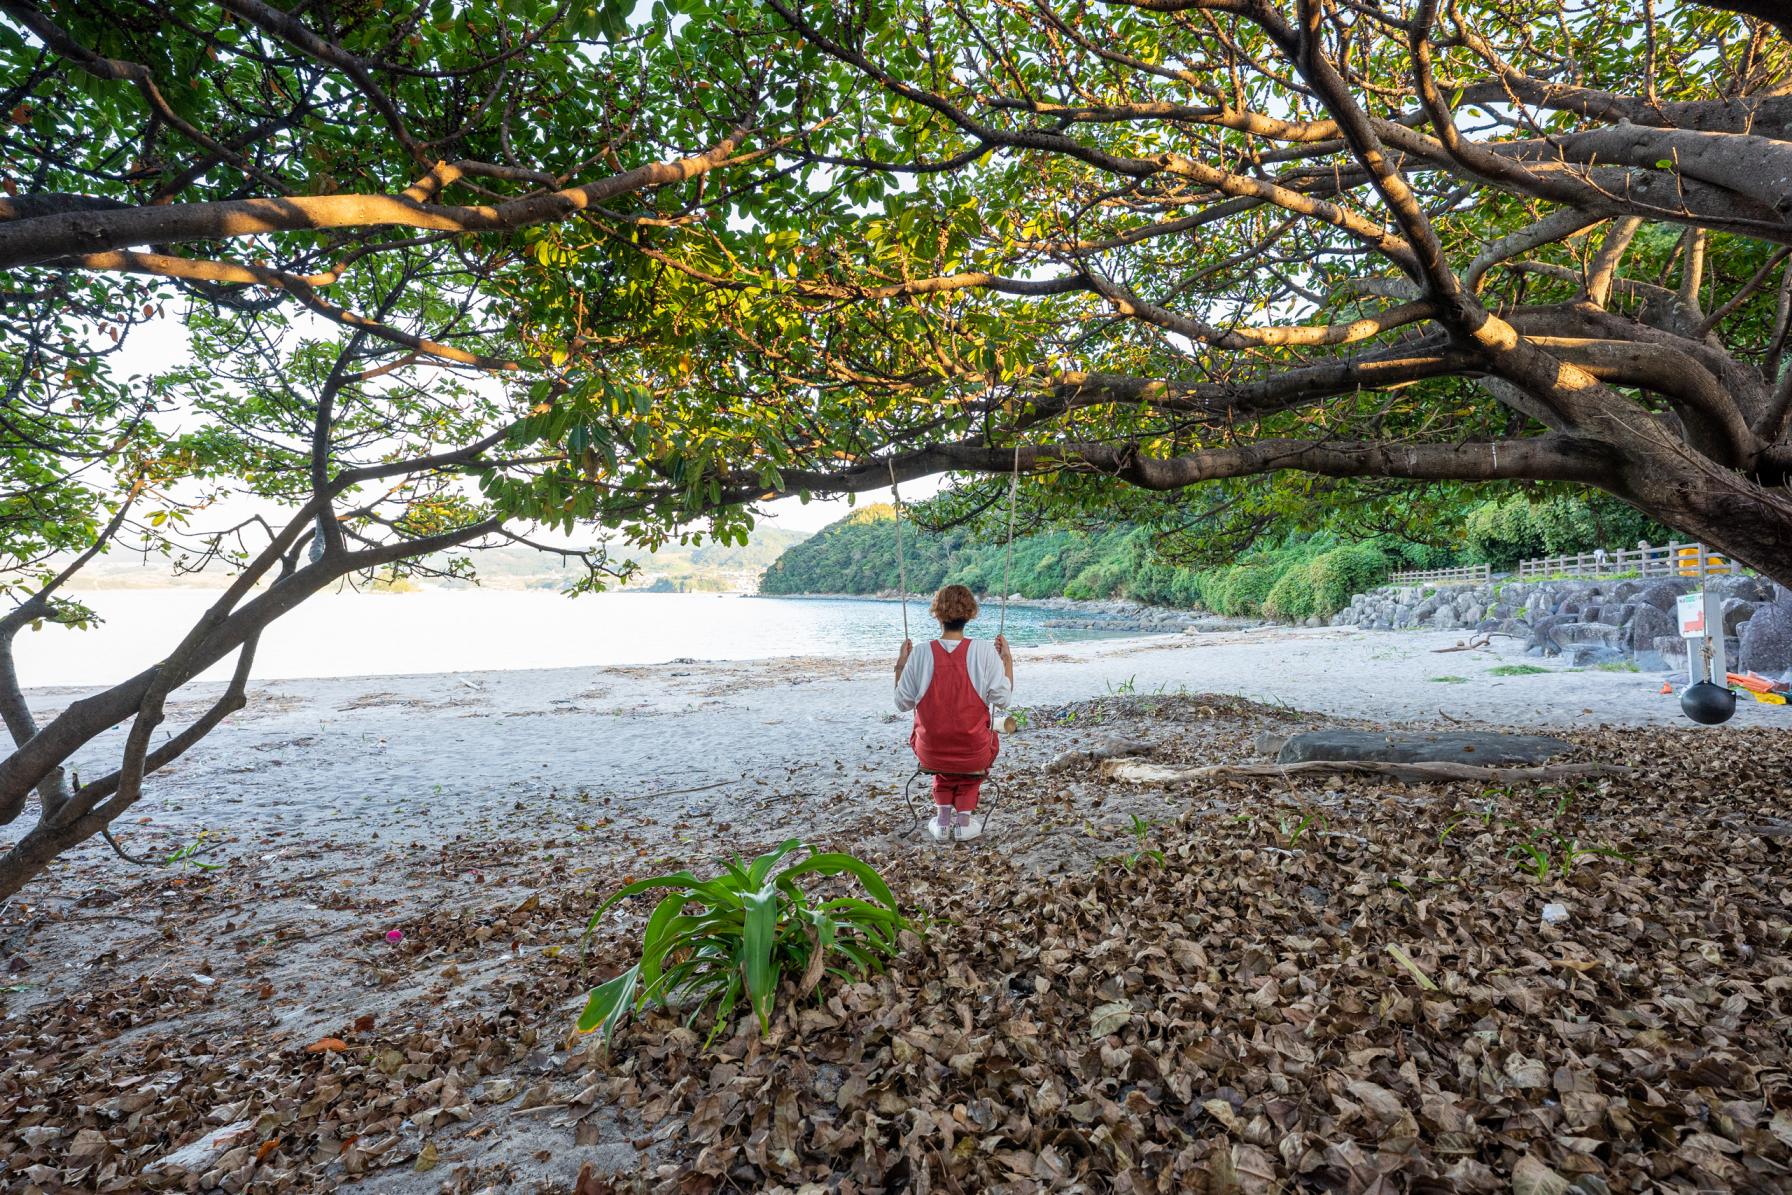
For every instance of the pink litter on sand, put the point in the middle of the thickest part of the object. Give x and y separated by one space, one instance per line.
394 936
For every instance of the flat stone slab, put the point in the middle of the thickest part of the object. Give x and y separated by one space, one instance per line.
1471 747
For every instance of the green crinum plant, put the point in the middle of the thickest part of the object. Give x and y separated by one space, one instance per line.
712 943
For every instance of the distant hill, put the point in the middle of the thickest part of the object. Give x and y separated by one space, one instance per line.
711 567
857 555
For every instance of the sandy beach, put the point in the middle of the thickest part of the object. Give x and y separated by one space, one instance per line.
443 754
483 815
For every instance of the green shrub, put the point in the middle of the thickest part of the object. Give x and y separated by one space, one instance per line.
1342 573
1151 583
971 577
1503 532
1291 597
1239 590
1515 528
742 933
1186 592
1088 585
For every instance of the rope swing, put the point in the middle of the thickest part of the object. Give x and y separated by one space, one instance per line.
1007 725
901 566
1007 549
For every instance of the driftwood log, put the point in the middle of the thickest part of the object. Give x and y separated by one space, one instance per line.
1472 643
1107 749
1138 771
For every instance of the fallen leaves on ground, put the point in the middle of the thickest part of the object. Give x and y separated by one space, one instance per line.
1250 1015
1234 1021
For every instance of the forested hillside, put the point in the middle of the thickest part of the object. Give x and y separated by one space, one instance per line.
858 555
1291 577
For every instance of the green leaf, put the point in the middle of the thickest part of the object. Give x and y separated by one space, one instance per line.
609 1003
834 863
758 967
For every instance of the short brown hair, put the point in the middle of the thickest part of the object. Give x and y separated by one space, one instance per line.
954 606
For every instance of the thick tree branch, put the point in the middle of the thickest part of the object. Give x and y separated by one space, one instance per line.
41 239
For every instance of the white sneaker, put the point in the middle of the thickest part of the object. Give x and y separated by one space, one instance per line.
940 830
968 829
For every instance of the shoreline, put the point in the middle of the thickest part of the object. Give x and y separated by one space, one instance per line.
383 738
352 634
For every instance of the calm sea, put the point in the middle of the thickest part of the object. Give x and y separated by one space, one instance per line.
374 634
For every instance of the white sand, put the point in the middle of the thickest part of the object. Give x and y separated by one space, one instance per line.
433 752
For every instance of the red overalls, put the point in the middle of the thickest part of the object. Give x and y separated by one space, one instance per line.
952 735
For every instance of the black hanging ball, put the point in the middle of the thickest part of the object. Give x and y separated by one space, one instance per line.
1708 703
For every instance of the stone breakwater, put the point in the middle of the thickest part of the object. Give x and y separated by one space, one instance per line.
1594 621
1120 616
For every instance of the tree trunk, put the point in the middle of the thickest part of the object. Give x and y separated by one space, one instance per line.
1739 519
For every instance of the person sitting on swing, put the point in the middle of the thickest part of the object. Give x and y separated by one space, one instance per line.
951 687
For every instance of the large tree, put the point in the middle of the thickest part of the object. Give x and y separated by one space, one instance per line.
455 273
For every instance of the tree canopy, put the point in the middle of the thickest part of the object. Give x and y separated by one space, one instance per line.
1190 240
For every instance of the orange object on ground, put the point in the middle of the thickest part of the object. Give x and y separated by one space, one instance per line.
1666 687
1754 682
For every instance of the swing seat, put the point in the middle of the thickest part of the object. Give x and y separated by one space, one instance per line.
985 807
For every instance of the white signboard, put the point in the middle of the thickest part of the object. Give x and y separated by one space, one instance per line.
1701 618
1691 608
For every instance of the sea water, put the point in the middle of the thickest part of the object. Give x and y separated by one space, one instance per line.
472 630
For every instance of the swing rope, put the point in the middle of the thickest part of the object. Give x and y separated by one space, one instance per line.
1008 551
901 565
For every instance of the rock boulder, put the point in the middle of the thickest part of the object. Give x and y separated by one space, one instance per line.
1481 748
1766 641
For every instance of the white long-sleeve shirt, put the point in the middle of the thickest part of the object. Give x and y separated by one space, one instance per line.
984 666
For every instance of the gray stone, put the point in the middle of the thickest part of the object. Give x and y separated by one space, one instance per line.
1736 611
1647 625
1540 640
1471 613
1270 742
1663 594
1747 589
1471 747
1623 591
1566 634
1588 655
1671 649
